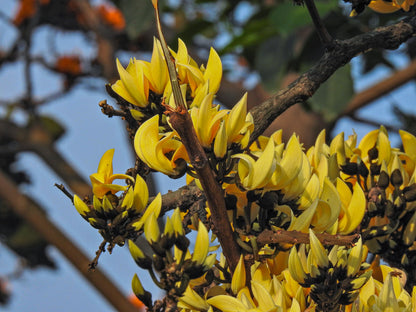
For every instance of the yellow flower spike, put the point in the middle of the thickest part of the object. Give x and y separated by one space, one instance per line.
384 148
158 70
354 212
201 244
319 252
337 147
154 208
192 301
132 86
80 206
227 304
152 150
220 143
141 194
213 72
295 266
262 296
239 276
236 120
102 180
355 258
151 229
311 193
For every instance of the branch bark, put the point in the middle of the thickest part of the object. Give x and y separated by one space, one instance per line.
295 237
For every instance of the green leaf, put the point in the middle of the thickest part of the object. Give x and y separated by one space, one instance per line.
138 15
333 95
287 17
272 60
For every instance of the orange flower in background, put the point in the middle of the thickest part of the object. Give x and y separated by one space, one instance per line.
26 9
111 16
69 64
136 302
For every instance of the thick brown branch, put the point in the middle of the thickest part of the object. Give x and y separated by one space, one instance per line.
294 237
29 211
342 52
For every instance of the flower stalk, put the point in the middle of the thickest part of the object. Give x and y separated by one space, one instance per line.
182 123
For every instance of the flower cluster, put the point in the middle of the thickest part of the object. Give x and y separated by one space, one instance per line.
335 188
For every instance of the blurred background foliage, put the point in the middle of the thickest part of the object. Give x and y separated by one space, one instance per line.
264 46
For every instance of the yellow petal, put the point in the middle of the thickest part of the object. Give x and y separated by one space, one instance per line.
262 295
201 244
227 303
354 213
154 208
213 72
238 280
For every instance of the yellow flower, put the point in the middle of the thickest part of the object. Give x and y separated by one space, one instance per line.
352 209
102 180
153 148
157 71
206 119
133 86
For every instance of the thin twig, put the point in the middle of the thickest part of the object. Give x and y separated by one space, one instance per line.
65 191
323 34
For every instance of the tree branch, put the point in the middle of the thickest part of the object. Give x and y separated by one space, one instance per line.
295 237
342 51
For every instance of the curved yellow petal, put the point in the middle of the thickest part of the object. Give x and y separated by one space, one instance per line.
354 213
213 72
